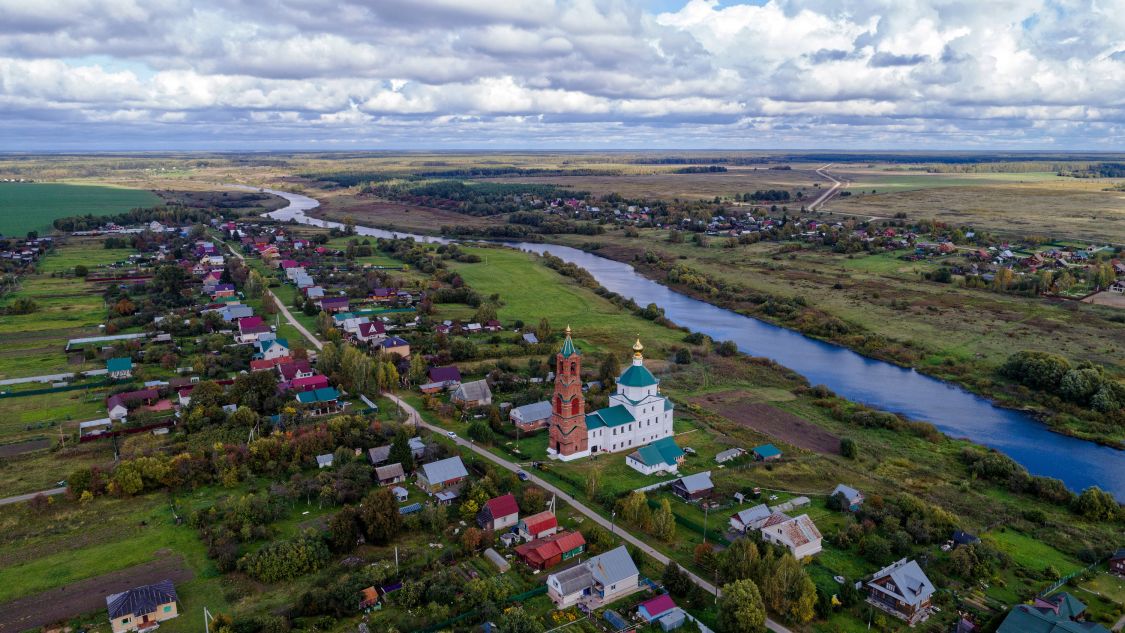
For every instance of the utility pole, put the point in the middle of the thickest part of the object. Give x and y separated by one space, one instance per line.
207 618
612 521
706 511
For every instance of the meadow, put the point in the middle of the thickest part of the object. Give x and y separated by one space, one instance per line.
33 206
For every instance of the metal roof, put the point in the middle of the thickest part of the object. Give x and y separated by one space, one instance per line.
470 391
910 583
637 376
141 600
444 470
766 450
533 411
613 566
609 416
697 482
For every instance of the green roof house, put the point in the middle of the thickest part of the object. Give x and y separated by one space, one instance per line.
663 455
120 368
766 453
1060 613
320 401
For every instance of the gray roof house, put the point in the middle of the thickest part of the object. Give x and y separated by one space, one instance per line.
729 454
379 454
444 473
693 487
750 518
598 581
145 605
392 474
473 394
903 590
531 416
324 461
853 497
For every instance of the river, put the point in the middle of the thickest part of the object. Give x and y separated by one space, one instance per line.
953 410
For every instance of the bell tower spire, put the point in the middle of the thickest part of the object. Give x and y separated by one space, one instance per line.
568 433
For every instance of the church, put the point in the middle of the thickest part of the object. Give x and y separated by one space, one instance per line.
637 414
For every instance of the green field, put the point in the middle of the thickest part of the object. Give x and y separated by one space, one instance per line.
33 206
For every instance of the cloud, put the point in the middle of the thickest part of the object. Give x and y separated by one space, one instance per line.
90 74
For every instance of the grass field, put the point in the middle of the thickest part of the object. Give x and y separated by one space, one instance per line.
33 206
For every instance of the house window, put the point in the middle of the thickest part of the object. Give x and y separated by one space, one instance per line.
124 620
168 608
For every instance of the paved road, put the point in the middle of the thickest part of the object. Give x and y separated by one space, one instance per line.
285 310
51 377
29 496
413 415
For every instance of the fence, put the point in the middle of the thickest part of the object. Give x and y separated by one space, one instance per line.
538 591
39 392
711 533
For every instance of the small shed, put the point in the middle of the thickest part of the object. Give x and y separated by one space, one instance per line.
400 493
767 453
325 461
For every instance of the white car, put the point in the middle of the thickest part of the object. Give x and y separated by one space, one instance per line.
451 434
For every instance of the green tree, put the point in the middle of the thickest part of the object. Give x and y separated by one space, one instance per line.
664 522
739 561
848 448
1095 503
788 590
378 513
417 369
401 452
343 529
741 609
543 332
516 620
609 371
674 579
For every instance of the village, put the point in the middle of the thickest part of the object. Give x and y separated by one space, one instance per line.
335 363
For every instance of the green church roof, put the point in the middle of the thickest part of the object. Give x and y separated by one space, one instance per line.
662 451
609 416
637 376
568 348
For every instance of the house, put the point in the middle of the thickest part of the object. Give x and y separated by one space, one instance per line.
852 497
320 401
499 513
366 332
393 345
902 590
142 608
538 525
766 453
598 581
750 518
1117 562
1060 613
472 394
799 534
656 608
545 553
293 369
324 461
235 312
663 455
118 405
493 326
694 487
352 323
313 292
530 338
388 475
379 454
275 348
446 497
308 383
400 493
531 417
448 377
417 447
119 368
331 305
729 454
383 295
262 364
446 473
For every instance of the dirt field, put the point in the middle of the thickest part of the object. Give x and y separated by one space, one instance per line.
11 450
1114 299
85 596
686 186
392 215
741 409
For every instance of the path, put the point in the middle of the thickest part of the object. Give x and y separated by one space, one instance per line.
51 377
836 184
416 418
284 310
31 495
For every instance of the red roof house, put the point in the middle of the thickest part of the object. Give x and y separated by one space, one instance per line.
309 383
499 513
547 552
538 525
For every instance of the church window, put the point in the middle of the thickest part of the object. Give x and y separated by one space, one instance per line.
574 406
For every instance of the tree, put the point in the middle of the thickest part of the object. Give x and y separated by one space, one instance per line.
543 332
378 512
471 539
401 453
417 369
593 481
739 561
788 590
485 313
848 448
635 510
664 522
81 271
1038 370
1095 503
516 620
609 371
674 579
741 609
343 530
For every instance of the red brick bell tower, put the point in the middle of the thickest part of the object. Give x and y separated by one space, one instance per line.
568 407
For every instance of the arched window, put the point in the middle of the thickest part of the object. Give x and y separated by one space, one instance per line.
558 404
575 406
573 368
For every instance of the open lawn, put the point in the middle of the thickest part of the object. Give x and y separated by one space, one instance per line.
1031 552
33 206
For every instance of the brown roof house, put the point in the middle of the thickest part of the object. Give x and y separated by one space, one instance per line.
142 608
473 394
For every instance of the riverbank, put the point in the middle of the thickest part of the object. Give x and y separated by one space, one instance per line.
877 384
876 306
976 373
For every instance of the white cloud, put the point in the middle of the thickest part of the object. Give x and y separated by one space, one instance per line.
567 73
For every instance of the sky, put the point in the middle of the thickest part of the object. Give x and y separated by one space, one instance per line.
561 74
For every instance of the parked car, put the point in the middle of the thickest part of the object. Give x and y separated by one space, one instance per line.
522 475
451 434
